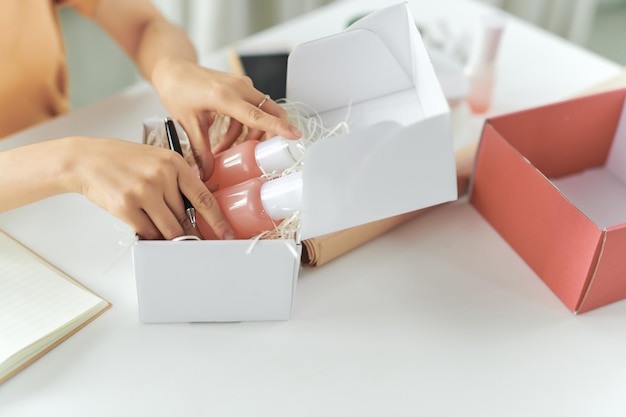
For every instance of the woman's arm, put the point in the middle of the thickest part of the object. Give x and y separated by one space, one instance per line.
137 183
193 95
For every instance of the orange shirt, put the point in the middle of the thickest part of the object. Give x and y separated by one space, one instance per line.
33 71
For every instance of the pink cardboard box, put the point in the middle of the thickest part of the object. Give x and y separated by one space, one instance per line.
552 181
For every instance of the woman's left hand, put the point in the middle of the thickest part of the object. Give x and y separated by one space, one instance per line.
195 96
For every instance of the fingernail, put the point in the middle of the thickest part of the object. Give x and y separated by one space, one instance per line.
229 235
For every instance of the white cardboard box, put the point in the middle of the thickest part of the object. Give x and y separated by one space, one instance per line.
398 157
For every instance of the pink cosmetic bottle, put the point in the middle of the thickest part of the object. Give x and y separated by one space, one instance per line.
480 70
251 159
257 205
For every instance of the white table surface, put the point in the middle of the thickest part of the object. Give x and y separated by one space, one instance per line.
436 318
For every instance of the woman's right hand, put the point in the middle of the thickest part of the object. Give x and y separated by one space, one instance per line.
141 185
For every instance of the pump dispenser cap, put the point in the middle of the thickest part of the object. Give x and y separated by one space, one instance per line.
277 154
282 196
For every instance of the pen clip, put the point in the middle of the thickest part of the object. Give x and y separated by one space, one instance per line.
172 136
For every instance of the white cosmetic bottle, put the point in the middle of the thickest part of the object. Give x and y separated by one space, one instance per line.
252 159
257 205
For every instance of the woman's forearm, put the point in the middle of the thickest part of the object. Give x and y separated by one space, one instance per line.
144 34
139 184
162 42
34 172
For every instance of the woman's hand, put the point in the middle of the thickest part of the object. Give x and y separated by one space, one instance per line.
141 185
195 96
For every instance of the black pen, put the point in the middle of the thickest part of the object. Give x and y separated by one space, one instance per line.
172 138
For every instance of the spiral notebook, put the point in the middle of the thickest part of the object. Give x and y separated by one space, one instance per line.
40 306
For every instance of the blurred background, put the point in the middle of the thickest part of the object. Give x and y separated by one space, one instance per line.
99 69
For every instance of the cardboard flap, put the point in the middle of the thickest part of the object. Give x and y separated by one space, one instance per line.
609 281
189 281
398 37
555 137
528 211
343 70
617 155
371 174
597 193
405 44
398 157
359 70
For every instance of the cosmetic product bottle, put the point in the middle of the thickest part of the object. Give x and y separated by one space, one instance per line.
257 204
251 159
480 69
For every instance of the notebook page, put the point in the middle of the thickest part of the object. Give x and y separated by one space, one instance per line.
35 298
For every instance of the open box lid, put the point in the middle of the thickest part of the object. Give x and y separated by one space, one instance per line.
398 157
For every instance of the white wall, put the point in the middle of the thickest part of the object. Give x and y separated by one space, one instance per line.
98 68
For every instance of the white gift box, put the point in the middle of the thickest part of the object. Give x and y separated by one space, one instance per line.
398 157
